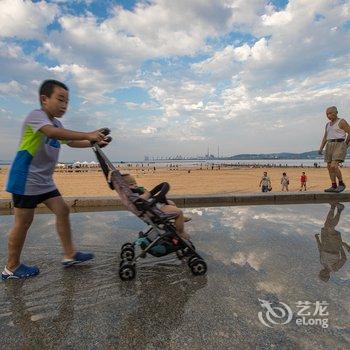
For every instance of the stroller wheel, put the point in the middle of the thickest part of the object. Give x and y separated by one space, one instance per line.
127 253
191 259
198 267
127 271
127 245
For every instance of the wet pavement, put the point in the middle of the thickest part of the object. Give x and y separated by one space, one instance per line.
278 278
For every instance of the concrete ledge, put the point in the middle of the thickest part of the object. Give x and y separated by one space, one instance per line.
221 199
113 202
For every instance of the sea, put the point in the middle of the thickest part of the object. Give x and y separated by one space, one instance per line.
307 163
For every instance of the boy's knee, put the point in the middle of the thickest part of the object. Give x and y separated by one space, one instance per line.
24 224
64 211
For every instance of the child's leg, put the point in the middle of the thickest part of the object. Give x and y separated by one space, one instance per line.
17 236
179 221
59 207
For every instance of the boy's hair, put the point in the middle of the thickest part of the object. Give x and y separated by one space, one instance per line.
47 87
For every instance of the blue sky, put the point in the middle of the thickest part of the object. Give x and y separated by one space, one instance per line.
174 77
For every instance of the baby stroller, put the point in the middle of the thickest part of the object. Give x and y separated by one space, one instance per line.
159 238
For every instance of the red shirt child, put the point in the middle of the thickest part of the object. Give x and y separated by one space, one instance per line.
303 179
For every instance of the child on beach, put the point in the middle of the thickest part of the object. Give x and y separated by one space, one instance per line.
167 207
303 179
285 182
30 178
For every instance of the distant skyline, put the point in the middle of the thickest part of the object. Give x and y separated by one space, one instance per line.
172 77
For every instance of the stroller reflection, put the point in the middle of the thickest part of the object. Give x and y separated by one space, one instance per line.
161 301
330 244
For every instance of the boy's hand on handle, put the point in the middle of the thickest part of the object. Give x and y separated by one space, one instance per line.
105 131
95 136
105 141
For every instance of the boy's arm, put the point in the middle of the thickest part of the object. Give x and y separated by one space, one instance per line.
79 144
86 144
65 134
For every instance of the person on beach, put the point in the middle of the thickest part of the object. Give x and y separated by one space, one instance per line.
330 244
30 179
303 179
285 182
336 139
265 183
167 206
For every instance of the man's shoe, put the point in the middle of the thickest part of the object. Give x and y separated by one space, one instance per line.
340 188
331 189
22 271
77 259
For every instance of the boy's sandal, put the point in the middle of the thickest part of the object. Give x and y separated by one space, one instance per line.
78 258
22 271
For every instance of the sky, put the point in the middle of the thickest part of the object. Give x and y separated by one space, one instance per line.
176 77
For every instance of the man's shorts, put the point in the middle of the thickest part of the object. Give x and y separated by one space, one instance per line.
335 151
264 188
31 201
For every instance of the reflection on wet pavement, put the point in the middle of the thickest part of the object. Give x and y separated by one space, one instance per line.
271 253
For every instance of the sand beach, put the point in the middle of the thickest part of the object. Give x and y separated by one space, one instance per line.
187 180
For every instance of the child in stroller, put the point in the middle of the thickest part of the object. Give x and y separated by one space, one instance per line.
164 204
165 234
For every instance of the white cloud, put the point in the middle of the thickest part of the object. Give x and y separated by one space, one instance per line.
264 69
149 130
12 87
277 18
25 19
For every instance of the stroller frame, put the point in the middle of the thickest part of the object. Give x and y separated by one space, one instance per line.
157 221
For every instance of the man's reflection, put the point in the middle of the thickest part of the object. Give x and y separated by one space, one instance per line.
330 244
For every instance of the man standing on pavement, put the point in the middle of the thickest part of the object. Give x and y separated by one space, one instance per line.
336 139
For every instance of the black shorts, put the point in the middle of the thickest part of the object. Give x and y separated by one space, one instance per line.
31 201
